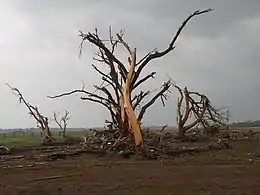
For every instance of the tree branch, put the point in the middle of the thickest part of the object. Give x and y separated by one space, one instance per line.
151 75
138 98
179 102
165 87
170 47
93 38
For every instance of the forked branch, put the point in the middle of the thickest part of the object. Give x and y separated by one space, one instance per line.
161 94
62 122
171 46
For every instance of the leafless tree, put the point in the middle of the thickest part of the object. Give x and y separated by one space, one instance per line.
196 105
42 121
118 89
62 122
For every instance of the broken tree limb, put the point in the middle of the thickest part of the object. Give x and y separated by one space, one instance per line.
165 87
202 111
151 75
42 121
171 46
57 176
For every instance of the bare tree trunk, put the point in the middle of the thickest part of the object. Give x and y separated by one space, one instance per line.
62 122
181 133
63 133
132 118
47 135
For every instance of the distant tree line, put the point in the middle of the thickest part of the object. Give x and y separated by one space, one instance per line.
248 123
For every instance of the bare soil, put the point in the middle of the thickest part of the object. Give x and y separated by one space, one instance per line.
231 171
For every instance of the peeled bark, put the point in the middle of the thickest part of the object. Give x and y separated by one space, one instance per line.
132 118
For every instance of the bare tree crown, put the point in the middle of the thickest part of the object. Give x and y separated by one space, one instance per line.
119 84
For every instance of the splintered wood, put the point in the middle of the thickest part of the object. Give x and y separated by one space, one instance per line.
118 90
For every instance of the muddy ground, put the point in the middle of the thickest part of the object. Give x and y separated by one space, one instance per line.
231 171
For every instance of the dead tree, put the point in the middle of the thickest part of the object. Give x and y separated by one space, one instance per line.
42 121
198 107
118 89
62 122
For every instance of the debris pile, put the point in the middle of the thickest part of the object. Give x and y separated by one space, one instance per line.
4 150
156 144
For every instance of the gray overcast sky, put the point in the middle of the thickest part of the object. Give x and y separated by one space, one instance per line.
218 53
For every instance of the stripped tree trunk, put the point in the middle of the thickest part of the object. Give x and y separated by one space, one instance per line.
121 80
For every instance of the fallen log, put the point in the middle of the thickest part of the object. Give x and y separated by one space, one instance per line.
64 155
57 176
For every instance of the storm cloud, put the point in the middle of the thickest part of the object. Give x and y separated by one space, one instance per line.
217 54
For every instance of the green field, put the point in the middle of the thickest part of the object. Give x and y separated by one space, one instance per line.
20 138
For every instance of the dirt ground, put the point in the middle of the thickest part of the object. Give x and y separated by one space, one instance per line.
233 171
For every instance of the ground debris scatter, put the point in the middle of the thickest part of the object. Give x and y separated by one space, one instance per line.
100 163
